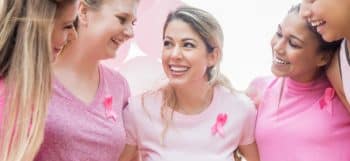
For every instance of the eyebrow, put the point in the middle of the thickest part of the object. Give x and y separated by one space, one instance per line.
186 39
125 14
292 36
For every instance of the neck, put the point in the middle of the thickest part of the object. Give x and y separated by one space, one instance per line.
78 60
195 99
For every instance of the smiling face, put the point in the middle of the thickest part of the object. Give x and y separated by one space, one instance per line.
64 30
295 50
185 57
109 26
330 17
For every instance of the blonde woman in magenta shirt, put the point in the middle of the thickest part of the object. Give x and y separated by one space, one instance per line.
300 117
84 121
196 116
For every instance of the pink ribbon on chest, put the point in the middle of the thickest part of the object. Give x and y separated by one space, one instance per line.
219 124
110 114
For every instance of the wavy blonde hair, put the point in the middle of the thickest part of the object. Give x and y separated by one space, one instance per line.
25 47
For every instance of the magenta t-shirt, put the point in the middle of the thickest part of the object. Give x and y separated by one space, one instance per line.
309 123
2 97
76 131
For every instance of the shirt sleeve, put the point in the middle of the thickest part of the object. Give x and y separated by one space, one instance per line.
256 89
130 126
127 93
248 132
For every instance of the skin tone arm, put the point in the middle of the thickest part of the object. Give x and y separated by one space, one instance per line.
129 153
333 74
250 152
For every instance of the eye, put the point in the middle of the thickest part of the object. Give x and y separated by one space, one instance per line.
121 19
70 26
189 45
293 44
167 44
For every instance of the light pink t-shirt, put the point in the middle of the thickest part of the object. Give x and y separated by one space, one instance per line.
309 124
344 61
190 137
76 131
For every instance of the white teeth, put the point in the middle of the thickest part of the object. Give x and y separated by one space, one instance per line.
316 23
279 61
178 68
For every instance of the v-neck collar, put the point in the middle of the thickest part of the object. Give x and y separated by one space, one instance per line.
59 89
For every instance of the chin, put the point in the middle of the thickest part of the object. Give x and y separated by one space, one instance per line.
176 83
329 37
278 73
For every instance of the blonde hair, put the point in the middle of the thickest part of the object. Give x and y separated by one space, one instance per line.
25 38
96 4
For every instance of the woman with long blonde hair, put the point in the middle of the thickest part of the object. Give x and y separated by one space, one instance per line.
30 31
84 121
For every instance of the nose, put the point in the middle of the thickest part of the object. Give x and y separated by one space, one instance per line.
129 31
176 52
305 10
278 46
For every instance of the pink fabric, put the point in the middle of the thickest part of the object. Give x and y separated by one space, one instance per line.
309 124
76 131
2 97
190 137
345 68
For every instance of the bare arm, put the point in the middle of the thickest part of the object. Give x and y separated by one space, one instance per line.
249 152
333 74
129 153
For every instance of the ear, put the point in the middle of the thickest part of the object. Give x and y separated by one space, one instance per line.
323 59
213 57
83 14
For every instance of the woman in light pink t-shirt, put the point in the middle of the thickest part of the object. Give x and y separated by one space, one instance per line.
300 118
195 116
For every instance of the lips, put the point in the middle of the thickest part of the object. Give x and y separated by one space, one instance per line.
317 24
175 68
117 41
277 60
178 70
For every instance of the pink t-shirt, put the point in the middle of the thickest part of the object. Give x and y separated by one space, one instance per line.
191 137
76 131
2 97
344 61
309 123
